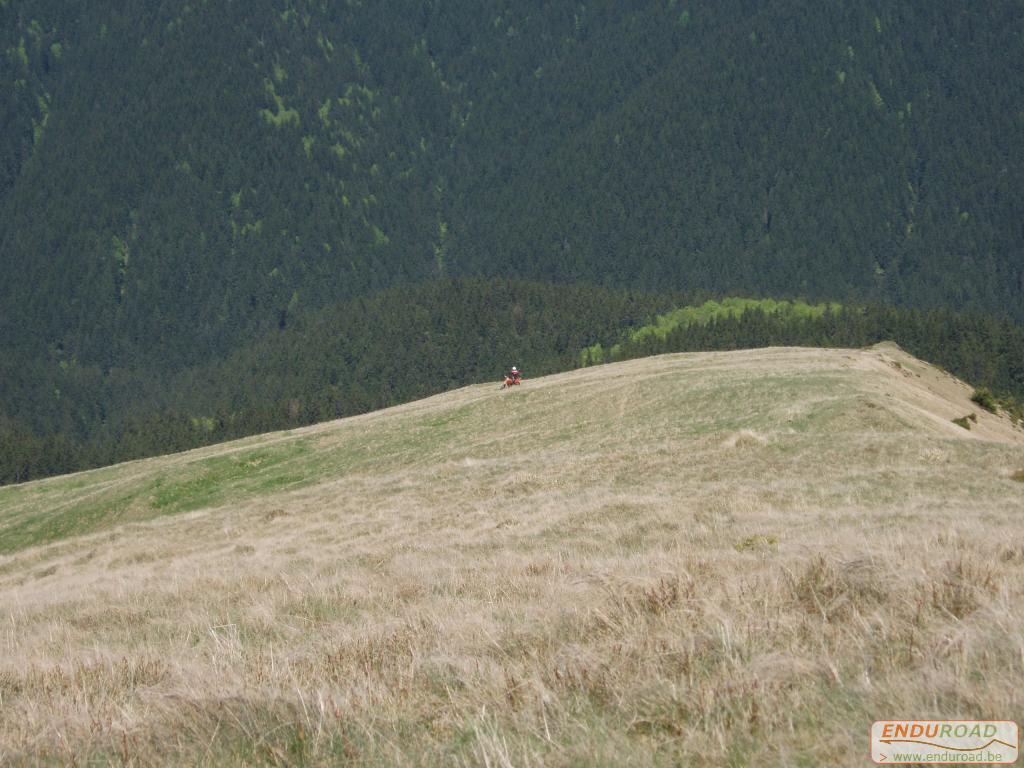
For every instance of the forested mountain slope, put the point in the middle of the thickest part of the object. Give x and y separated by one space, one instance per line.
832 149
192 173
179 180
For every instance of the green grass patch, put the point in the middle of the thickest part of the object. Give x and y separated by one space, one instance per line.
216 480
44 527
59 510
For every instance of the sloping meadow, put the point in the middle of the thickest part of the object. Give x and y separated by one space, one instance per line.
724 558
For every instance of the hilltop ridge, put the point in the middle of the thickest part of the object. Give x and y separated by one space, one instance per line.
775 391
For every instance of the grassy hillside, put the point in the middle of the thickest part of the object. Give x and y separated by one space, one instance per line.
720 558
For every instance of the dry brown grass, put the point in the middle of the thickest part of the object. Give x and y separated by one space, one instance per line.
734 559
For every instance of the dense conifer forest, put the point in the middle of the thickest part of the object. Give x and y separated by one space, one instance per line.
219 217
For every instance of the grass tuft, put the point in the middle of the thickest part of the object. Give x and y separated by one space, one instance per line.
984 398
838 590
962 588
757 542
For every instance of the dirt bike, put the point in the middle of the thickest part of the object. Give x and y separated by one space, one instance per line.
510 382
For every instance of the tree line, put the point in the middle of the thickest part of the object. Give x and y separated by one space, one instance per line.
413 341
359 355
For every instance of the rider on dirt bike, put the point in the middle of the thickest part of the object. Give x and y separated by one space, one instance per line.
511 378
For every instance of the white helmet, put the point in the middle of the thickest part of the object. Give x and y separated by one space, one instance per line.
513 369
